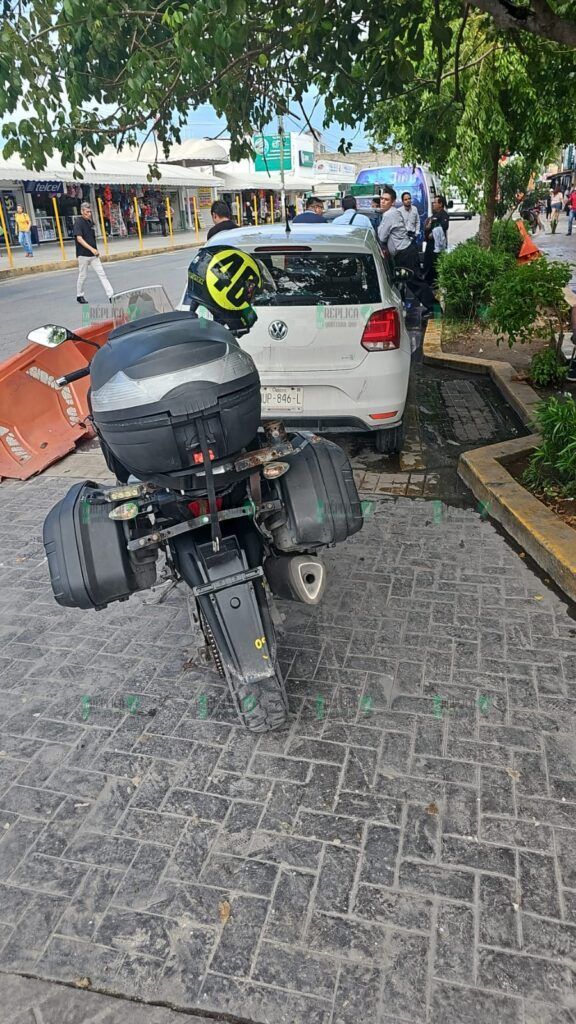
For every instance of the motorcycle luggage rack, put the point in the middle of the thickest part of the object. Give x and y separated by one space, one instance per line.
251 460
159 536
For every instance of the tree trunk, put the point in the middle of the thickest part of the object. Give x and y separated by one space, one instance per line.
490 191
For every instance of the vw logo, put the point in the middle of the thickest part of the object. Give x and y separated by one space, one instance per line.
278 330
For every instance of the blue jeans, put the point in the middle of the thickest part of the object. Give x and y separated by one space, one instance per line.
25 239
571 216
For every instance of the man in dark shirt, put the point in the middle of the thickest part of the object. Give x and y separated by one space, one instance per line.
436 237
87 253
313 212
222 217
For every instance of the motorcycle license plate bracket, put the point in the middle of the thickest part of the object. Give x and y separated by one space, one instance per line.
227 581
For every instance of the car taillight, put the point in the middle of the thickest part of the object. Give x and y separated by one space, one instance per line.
382 331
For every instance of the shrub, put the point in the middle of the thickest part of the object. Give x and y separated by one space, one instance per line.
547 370
466 276
552 467
506 237
528 301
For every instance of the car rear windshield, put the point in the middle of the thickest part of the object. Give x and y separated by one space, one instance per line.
308 279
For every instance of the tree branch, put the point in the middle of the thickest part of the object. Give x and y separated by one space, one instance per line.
539 19
466 12
450 74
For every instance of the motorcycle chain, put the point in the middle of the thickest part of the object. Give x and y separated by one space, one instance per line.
209 635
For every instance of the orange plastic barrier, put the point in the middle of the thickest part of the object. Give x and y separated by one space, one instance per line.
39 423
529 250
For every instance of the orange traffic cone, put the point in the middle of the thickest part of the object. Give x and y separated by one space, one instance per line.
529 250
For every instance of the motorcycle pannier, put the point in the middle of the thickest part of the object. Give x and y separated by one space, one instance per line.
321 504
165 386
88 561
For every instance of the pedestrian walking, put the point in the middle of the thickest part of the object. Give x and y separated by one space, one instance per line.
161 211
557 202
549 204
571 209
87 253
249 213
397 244
24 225
410 215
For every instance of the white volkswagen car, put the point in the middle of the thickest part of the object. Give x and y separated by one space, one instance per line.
330 343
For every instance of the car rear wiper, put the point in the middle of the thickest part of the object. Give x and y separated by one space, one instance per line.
293 300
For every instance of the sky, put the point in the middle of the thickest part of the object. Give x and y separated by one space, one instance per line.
204 121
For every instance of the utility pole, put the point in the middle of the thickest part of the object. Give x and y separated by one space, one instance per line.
282 185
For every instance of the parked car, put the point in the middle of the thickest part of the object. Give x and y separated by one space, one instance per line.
330 344
458 209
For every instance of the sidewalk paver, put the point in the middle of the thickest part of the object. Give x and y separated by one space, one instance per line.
404 852
27 1001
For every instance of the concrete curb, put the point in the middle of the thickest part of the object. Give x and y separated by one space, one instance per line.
517 393
540 532
43 268
550 542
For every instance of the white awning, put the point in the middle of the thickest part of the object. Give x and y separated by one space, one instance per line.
235 182
104 171
192 152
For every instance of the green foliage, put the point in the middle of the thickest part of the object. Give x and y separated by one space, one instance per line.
552 467
466 276
506 237
453 87
513 177
493 105
547 370
528 301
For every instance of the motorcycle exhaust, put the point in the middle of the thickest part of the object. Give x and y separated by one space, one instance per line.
296 577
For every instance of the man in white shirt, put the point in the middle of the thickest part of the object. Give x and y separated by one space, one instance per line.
410 215
396 242
351 215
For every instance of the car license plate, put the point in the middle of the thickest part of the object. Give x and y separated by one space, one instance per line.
282 399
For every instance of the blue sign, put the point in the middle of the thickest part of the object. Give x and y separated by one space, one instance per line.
53 188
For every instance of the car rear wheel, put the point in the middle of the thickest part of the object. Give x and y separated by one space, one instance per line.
389 442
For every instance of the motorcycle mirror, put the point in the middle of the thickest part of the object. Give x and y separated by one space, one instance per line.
50 336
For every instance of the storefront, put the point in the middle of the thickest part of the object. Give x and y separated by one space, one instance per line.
257 198
114 189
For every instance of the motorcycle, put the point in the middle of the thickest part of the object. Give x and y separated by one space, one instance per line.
237 509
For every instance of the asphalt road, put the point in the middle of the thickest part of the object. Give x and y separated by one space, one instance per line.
27 302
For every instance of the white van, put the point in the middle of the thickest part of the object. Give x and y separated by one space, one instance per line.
421 183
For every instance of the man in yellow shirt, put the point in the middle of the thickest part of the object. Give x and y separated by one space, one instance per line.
23 223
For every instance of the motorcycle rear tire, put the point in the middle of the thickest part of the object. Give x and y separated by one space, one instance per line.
262 706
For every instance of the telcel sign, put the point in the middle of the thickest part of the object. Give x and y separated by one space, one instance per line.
268 153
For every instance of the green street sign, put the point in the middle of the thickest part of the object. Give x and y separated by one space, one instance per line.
268 153
306 158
